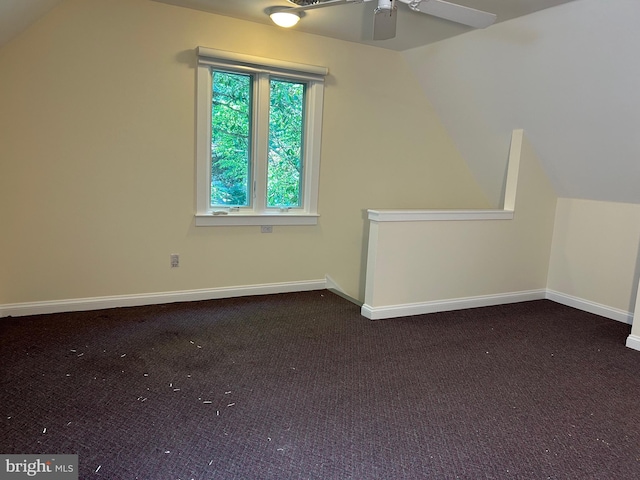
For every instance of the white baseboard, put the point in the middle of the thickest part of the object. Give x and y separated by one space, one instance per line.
633 341
591 307
98 303
405 310
373 313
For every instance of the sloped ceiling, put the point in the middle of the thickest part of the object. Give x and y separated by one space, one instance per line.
568 76
17 15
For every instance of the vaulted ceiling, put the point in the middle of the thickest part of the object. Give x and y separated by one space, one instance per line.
17 15
566 74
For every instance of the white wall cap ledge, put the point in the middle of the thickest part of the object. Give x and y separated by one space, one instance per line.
437 215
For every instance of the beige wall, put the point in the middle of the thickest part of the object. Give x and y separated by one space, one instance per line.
97 156
594 254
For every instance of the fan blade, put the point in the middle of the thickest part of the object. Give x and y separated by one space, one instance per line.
453 12
384 23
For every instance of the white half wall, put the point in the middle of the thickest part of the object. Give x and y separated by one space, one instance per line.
430 265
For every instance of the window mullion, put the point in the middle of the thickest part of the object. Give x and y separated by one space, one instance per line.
261 131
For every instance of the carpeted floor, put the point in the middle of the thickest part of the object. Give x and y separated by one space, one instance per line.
300 386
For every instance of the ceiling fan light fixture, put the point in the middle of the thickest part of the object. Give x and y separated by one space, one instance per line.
285 19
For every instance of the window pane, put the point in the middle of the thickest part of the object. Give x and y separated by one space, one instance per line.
284 169
230 139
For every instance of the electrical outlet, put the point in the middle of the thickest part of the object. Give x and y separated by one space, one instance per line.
175 260
266 229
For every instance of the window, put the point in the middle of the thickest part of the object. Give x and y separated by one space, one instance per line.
259 126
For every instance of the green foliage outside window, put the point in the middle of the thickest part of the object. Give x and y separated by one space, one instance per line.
231 142
230 139
285 144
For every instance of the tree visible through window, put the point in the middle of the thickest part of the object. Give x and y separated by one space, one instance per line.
259 131
285 144
231 141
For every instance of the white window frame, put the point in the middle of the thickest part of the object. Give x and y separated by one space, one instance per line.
258 213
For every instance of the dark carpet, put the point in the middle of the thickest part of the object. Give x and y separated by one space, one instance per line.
300 386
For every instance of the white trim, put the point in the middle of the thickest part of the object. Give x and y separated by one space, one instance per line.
238 219
437 215
312 146
203 140
98 303
633 342
513 170
373 313
591 307
403 310
252 60
408 309
506 213
205 215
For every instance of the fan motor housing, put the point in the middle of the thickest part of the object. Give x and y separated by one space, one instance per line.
304 3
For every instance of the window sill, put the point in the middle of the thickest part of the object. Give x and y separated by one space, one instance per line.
239 219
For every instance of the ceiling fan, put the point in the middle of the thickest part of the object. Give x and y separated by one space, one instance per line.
384 21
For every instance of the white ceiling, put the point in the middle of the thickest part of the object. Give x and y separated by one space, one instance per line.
353 22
